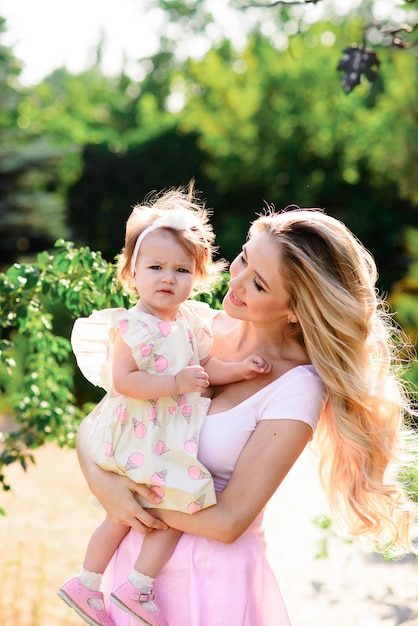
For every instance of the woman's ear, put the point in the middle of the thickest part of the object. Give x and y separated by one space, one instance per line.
292 319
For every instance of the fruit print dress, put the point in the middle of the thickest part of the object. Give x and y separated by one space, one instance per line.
153 441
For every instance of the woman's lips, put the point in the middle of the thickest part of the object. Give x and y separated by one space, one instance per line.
234 299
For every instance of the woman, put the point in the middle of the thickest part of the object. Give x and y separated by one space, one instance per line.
302 295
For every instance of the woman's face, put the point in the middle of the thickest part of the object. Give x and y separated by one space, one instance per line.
256 289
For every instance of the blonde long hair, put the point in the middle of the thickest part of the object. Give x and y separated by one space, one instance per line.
350 338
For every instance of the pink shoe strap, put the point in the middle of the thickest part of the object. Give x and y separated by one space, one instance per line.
94 594
144 597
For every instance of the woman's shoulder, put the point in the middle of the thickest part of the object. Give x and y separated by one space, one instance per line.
299 394
299 380
300 371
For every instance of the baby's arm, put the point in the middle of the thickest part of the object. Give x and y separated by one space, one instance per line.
223 372
131 382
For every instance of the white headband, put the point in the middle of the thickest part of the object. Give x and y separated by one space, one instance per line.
175 220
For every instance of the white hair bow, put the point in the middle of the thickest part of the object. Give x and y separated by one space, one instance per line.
176 220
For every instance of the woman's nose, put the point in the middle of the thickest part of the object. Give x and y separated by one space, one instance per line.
236 282
237 275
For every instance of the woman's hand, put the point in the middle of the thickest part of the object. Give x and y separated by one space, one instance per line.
117 496
116 493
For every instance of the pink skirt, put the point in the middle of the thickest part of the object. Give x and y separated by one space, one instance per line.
208 583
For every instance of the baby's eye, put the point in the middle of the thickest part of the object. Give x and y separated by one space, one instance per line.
155 267
183 270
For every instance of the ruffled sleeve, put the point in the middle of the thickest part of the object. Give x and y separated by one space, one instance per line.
141 334
199 316
92 341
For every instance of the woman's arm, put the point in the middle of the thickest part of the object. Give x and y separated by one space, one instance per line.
114 492
262 465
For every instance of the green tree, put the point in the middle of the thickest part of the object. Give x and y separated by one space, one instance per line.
83 108
32 206
273 126
114 122
259 133
111 183
90 108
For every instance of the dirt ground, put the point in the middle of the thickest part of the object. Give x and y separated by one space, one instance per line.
324 580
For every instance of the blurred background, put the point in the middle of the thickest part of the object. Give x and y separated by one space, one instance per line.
310 103
102 102
259 102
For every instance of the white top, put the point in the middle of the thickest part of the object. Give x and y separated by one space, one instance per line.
299 394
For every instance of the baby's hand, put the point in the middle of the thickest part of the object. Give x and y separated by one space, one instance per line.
192 378
254 365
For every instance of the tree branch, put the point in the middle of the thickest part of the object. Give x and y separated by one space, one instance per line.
276 3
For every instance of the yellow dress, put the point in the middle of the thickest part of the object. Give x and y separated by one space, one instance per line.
155 441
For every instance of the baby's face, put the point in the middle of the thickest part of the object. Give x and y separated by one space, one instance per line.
165 274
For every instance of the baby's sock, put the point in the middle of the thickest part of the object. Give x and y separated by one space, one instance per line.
92 581
143 583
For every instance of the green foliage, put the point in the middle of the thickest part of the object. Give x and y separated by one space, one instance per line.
263 122
90 108
39 302
259 119
83 108
409 478
404 300
266 122
189 17
274 126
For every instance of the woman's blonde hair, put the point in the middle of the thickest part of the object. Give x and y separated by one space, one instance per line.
191 228
351 340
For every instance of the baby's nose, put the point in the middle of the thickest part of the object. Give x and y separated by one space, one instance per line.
169 277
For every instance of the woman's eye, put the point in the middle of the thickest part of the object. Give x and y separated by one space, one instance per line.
242 259
257 285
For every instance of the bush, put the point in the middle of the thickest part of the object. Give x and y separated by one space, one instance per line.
39 303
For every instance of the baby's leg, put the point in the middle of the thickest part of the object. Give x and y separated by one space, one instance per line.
82 592
136 596
157 548
102 545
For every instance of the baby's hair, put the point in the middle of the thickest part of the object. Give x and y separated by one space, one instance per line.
197 239
352 342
